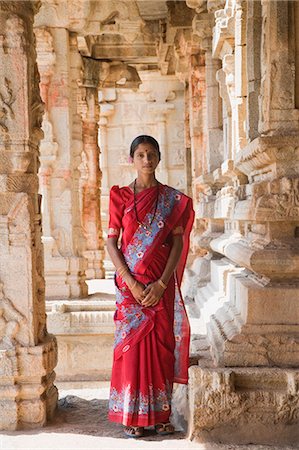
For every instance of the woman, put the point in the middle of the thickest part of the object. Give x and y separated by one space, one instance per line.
152 329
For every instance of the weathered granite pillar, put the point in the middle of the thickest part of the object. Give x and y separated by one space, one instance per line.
91 186
106 111
28 354
248 392
60 157
202 31
197 108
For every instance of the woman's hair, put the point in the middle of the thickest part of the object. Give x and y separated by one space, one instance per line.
144 139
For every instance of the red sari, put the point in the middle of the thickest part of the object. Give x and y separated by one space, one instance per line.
151 349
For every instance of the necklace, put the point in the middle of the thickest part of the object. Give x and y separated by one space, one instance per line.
143 225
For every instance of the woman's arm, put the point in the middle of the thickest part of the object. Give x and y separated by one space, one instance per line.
154 291
118 260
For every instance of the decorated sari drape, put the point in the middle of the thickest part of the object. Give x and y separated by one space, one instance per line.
151 349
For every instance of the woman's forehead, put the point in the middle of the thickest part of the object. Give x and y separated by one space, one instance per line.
145 147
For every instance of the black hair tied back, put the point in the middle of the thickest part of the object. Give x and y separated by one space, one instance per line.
144 139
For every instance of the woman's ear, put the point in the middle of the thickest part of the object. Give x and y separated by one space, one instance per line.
130 159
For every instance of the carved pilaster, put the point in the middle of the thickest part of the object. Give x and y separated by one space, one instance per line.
278 113
91 186
106 110
28 353
60 153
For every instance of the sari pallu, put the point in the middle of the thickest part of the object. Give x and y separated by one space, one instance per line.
151 344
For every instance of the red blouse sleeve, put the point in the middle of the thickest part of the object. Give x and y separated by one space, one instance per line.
116 209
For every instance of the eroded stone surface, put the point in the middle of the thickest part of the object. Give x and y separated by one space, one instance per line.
28 354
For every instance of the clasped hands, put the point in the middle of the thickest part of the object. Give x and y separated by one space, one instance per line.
148 296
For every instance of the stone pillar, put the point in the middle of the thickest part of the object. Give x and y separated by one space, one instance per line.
106 111
60 157
91 186
261 236
160 112
28 354
197 108
249 391
254 35
202 31
278 113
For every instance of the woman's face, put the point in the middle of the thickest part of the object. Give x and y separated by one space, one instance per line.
145 158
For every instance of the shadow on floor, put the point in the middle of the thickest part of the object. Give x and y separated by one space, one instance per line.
80 416
90 417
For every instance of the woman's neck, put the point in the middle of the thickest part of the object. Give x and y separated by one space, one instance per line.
145 181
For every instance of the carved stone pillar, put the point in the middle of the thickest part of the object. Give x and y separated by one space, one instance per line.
28 354
260 234
106 110
202 31
278 113
60 158
91 186
249 392
160 112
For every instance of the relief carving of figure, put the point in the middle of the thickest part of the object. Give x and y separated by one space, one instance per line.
12 324
14 34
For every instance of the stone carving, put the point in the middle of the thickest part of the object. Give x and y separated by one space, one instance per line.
12 324
48 145
202 6
220 406
281 202
63 242
7 99
118 74
15 35
124 159
36 107
46 56
288 411
177 156
219 401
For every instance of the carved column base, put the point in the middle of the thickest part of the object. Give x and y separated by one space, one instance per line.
28 397
257 326
64 275
95 264
244 405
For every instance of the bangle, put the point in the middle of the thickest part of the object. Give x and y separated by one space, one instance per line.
122 272
162 284
133 285
122 269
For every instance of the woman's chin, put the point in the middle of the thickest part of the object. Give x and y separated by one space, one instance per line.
148 170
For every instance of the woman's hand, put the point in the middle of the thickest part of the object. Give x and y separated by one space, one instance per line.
152 294
137 292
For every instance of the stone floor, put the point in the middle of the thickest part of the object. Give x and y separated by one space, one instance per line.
81 423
